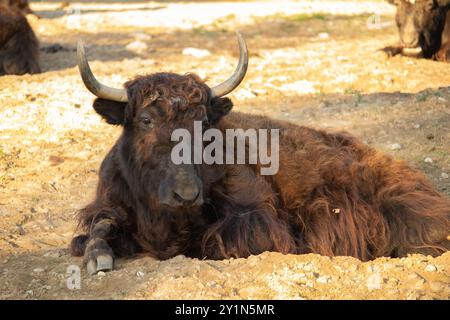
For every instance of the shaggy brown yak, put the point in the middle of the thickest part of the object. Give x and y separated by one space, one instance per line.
332 195
19 47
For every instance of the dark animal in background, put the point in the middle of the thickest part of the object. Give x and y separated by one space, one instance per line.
19 47
423 24
333 195
22 5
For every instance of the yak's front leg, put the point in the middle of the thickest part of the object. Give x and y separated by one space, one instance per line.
98 255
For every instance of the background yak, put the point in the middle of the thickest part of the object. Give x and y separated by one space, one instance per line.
333 195
424 24
19 47
22 5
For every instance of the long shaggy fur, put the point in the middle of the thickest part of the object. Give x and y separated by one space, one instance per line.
333 195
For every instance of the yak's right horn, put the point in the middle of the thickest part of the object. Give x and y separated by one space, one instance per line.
92 84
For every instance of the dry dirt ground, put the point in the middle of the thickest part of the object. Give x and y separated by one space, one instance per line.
315 63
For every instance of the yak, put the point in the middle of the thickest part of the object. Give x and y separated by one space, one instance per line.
332 195
423 24
22 5
19 47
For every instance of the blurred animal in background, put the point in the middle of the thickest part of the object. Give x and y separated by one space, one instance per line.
22 5
423 24
333 195
19 47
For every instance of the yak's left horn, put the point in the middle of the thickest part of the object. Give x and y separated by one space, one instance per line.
92 84
238 75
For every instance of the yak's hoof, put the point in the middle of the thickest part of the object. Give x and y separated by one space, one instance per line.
102 263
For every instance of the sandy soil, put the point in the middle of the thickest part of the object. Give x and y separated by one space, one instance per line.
315 63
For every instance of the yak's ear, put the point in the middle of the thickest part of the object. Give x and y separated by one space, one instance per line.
113 112
219 107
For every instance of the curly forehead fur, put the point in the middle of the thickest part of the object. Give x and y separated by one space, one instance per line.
175 94
180 91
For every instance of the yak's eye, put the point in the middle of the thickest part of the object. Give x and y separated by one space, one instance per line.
147 122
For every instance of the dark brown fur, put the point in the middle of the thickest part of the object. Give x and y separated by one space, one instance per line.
19 47
333 195
22 5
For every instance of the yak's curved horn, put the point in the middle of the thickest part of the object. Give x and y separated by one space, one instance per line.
92 84
238 75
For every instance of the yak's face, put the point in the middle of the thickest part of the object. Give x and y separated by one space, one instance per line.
158 105
420 23
150 109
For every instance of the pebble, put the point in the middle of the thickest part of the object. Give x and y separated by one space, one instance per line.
324 279
101 274
258 92
142 36
412 296
393 281
324 104
308 266
416 126
29 292
372 268
53 254
414 276
396 146
374 282
21 230
430 268
444 175
38 270
428 160
137 46
323 35
198 53
419 285
245 94
140 274
438 286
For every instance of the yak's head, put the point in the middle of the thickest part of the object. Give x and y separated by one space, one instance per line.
420 23
150 108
